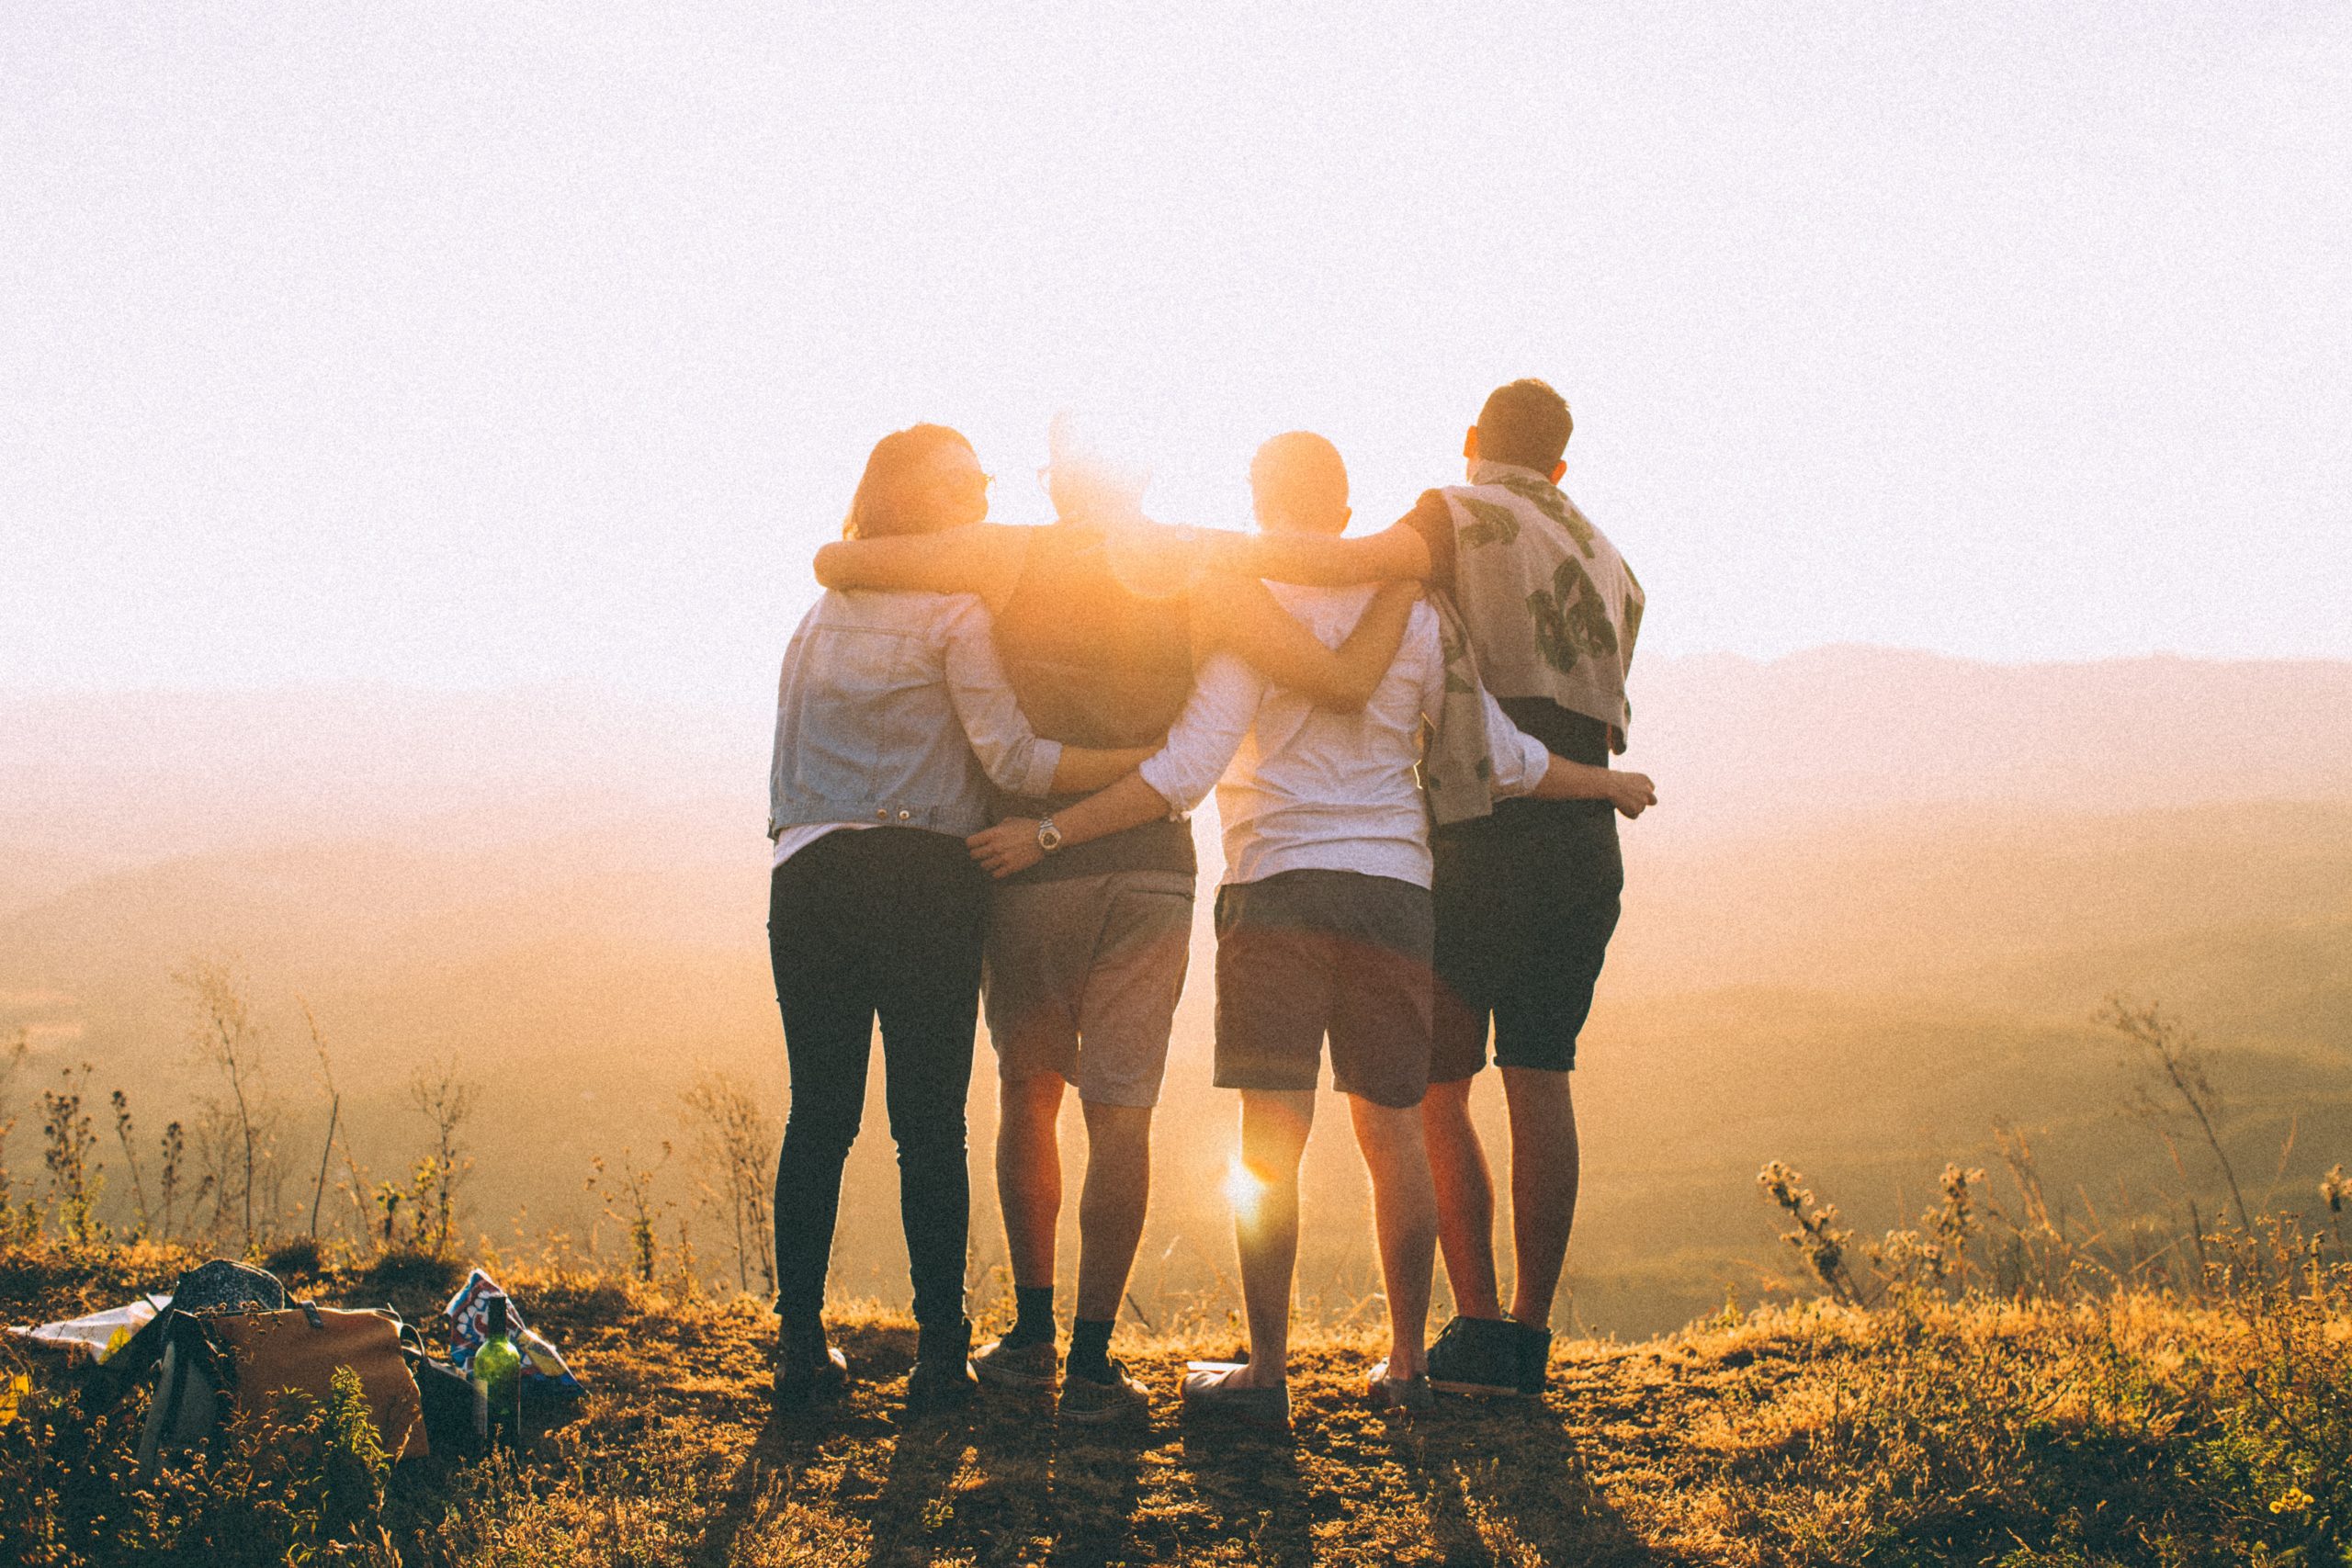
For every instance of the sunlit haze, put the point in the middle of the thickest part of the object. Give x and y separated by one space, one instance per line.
416 423
465 346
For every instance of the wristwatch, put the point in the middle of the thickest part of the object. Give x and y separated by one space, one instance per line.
1049 838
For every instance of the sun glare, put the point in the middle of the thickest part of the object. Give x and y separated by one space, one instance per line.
1243 1189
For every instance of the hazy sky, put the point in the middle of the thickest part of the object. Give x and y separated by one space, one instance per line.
471 344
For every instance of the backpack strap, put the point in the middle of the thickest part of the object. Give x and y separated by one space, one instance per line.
191 1348
173 1396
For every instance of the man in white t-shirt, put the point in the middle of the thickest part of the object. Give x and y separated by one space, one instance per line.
1324 928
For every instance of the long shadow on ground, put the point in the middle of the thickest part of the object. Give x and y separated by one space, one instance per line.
1492 1476
1003 1482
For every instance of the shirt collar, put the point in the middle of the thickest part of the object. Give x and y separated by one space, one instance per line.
1486 472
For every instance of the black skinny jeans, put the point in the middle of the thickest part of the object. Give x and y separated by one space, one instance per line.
880 921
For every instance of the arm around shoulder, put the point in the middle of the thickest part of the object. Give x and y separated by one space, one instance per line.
1397 553
1239 616
980 557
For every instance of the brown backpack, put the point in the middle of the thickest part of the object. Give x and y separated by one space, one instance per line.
248 1360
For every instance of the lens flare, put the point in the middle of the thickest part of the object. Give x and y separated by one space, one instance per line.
1243 1189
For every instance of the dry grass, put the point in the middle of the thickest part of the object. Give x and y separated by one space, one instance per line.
2131 1430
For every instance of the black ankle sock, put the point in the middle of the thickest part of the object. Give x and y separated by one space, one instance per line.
1089 1347
1034 1324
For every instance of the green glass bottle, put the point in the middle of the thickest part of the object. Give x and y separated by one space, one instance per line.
496 1374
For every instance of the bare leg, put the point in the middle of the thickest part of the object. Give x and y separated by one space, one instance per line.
1544 1166
1465 1199
1111 1208
1404 1207
1265 1228
1029 1173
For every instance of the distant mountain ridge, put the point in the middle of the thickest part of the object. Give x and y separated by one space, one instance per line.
1736 744
1838 729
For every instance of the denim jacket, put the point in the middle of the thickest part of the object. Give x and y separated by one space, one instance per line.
893 709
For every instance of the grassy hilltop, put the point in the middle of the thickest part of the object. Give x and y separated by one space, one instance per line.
2125 1429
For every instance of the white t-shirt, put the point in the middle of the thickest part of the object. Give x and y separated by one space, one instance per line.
1305 788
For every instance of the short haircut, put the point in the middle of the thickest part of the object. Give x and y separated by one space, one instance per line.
897 464
1525 423
1299 476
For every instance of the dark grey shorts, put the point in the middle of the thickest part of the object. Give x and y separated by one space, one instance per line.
1527 900
1308 953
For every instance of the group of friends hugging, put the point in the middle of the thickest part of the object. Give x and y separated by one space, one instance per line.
987 740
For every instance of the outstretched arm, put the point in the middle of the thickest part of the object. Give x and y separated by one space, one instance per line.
1199 746
1012 845
1522 767
980 557
1239 616
1632 794
1010 751
1084 768
1397 553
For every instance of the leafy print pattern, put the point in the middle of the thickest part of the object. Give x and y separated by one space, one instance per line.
1571 623
1489 525
1548 500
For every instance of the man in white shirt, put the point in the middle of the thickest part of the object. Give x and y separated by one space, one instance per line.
1324 927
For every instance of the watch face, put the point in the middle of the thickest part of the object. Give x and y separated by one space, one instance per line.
1049 838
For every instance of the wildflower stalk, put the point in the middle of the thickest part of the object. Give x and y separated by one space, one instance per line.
1818 1237
130 1156
2170 1054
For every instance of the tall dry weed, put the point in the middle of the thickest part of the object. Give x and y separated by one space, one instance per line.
76 1179
446 1098
227 1036
735 1152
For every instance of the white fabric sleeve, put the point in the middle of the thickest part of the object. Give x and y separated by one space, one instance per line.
1201 743
1012 753
1519 757
1425 639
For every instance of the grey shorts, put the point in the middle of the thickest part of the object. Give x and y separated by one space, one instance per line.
1308 953
1082 975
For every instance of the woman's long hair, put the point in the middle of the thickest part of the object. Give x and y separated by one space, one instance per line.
894 468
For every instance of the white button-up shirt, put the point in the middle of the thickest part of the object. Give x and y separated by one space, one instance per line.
1305 788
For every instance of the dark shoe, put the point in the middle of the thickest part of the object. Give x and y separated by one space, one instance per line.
942 1377
1209 1391
1534 1358
1028 1369
808 1372
1477 1355
1092 1401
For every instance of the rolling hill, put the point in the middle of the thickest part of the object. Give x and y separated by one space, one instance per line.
1856 959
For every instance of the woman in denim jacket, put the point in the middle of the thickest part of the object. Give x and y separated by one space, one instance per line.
893 717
